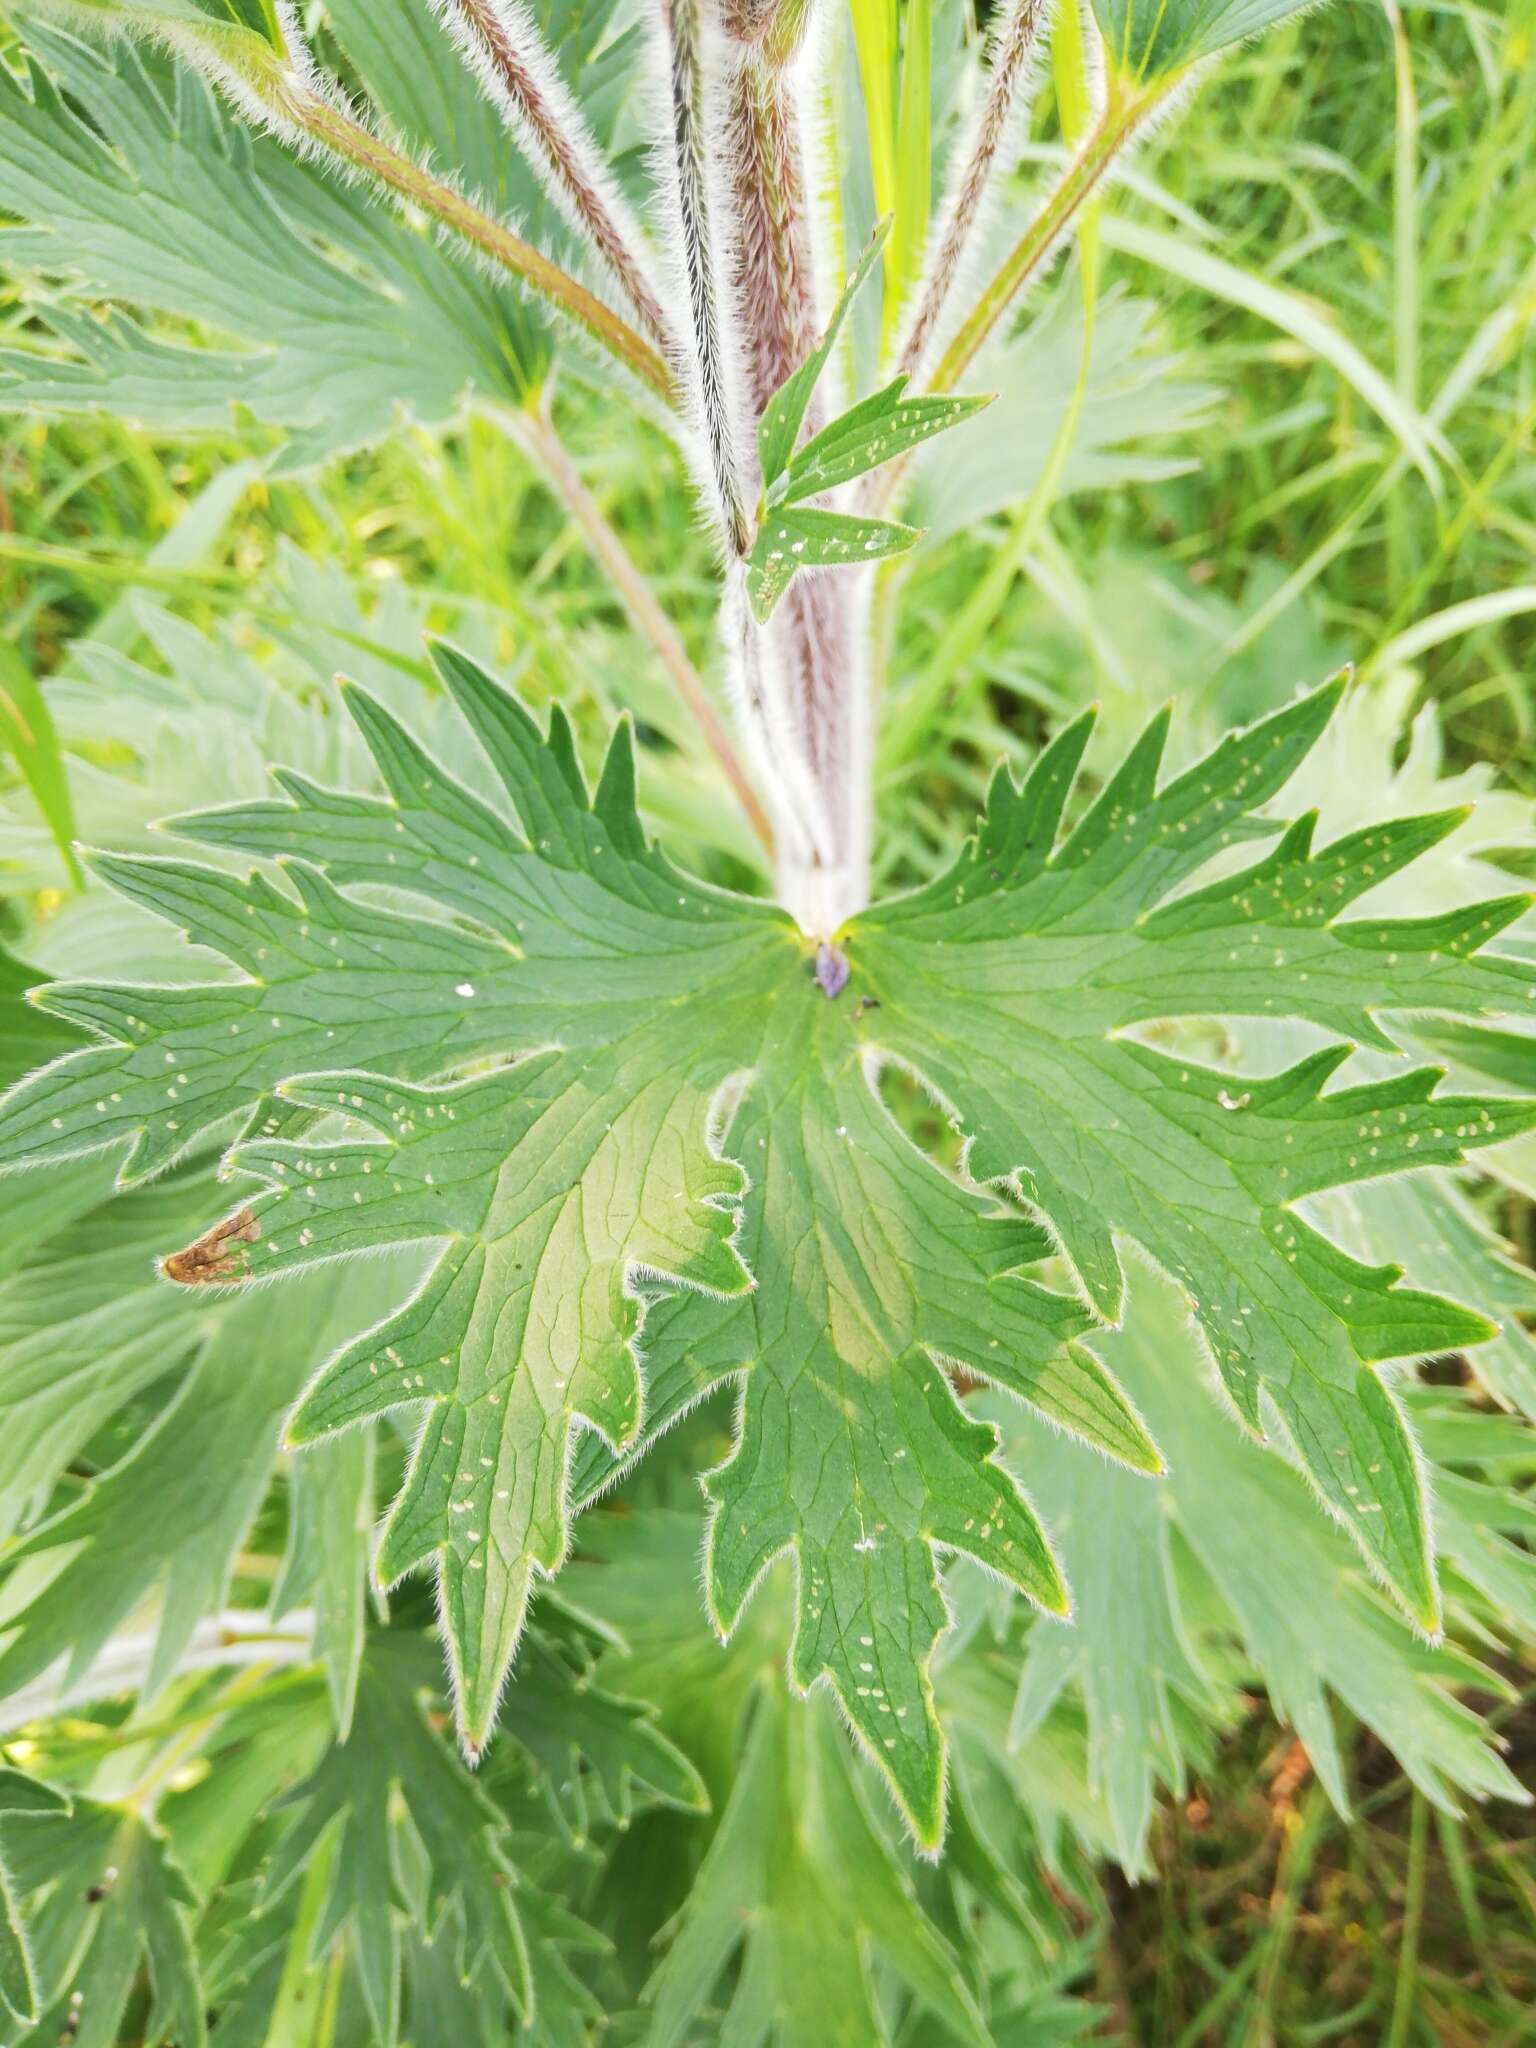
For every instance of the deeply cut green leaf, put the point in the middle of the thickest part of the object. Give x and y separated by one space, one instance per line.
109 1900
649 1154
320 311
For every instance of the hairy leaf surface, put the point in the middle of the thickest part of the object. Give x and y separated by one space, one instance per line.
643 1152
328 314
110 1900
1298 1601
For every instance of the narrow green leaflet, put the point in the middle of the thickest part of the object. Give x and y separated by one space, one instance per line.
795 537
1485 1517
641 1151
1508 1057
784 415
1427 1220
875 431
20 1794
1298 1601
803 1886
392 1754
331 1507
108 1899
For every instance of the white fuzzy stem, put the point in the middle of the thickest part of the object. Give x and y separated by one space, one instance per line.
537 435
507 51
802 674
711 367
988 159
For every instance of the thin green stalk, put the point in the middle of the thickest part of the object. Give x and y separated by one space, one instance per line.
347 138
1295 1869
976 617
1406 231
909 229
874 42
1404 1996
536 433
295 2001
1093 158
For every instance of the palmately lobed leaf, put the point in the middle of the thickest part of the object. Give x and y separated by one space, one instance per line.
1286 1584
342 314
646 1153
109 1903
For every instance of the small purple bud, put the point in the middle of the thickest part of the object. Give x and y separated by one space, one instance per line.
832 971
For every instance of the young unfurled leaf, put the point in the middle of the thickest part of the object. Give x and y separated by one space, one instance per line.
875 431
567 1069
330 1537
783 416
796 537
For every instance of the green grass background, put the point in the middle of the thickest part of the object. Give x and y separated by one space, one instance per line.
1369 168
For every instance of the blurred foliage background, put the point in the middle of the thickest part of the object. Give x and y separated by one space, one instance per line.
1343 223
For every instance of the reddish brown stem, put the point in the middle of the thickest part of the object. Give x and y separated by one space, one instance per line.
508 46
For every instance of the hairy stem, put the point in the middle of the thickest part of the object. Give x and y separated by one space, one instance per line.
349 139
276 87
690 162
1011 47
807 708
536 432
271 80
1098 150
507 49
772 270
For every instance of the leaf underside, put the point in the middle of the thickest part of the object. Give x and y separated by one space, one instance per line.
643 1154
